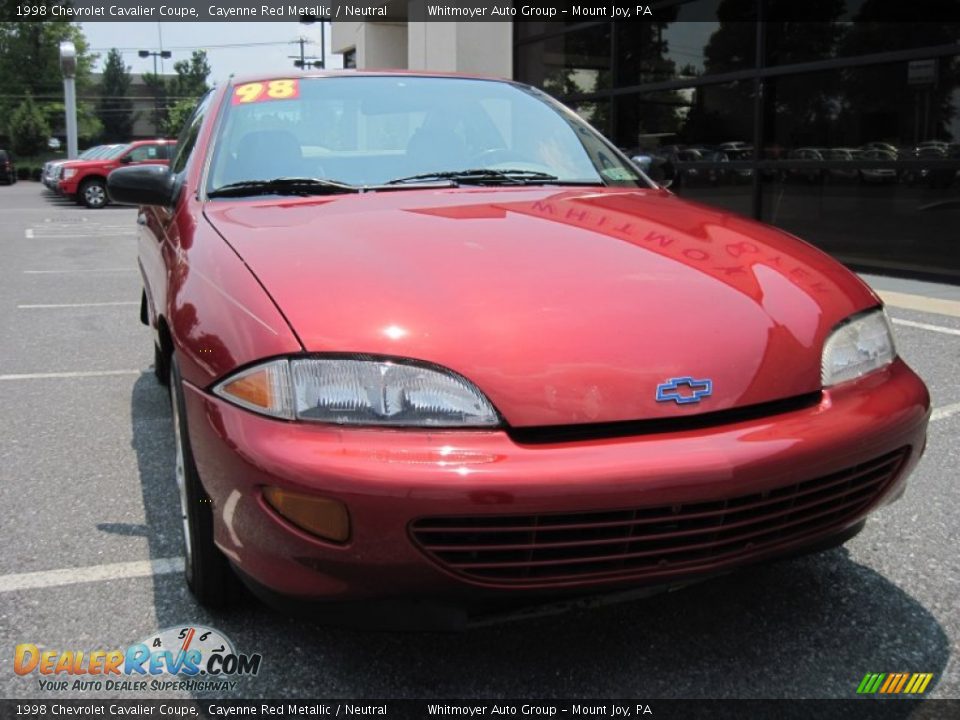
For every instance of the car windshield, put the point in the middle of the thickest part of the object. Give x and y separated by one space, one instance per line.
93 152
374 130
116 152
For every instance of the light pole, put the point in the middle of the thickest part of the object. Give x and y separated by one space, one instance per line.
68 64
166 55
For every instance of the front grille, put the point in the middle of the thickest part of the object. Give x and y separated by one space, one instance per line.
632 543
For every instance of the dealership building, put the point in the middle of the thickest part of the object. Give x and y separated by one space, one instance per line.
844 130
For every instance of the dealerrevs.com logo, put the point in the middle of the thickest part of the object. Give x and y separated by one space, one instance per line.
200 658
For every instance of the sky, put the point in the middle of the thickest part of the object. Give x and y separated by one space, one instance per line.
277 41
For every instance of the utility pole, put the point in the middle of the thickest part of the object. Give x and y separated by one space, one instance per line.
310 20
304 61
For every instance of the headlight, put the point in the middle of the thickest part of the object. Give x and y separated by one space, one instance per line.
359 392
69 173
858 346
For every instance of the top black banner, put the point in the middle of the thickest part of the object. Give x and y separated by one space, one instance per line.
555 11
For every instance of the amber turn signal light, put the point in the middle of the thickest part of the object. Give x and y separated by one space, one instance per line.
320 516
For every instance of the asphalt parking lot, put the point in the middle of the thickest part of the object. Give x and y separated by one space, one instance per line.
91 534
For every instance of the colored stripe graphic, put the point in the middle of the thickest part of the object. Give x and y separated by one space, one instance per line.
903 679
891 682
864 684
894 683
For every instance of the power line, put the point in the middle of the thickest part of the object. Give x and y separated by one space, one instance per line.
220 46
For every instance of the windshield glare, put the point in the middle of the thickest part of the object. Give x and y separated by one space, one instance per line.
369 130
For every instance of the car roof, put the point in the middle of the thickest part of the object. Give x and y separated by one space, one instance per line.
242 79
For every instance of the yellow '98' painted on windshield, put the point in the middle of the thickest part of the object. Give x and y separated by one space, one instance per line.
263 92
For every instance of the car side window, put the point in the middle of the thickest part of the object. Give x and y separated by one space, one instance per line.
189 134
144 153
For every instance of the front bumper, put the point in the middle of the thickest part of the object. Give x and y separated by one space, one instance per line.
67 187
391 478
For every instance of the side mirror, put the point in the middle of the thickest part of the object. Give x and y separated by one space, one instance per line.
142 185
125 159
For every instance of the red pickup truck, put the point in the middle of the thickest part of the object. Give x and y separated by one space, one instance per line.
86 180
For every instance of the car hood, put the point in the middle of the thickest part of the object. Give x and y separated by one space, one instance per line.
85 164
565 306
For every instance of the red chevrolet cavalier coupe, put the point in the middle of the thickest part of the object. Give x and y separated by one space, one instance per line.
434 339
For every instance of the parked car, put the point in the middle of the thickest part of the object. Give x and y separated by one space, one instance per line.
812 174
741 174
693 176
881 146
735 146
86 180
841 174
878 175
50 175
8 171
931 176
462 361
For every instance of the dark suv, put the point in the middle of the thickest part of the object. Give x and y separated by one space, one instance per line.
8 173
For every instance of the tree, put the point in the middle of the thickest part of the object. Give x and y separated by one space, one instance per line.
28 129
178 115
192 74
177 97
158 88
30 61
115 108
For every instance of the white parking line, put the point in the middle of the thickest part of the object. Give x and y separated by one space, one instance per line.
923 303
93 573
78 305
71 272
28 233
926 326
945 412
69 375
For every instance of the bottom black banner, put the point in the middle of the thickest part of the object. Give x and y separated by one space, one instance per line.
854 709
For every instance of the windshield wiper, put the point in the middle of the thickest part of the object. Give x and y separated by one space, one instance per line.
284 186
484 176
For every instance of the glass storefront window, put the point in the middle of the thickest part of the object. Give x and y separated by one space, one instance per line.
708 115
575 63
906 106
862 160
873 171
796 42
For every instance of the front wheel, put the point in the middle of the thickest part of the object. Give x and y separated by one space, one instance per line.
93 193
207 571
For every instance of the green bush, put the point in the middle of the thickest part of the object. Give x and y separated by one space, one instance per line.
23 173
36 173
28 129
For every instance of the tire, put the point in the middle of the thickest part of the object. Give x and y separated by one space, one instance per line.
206 569
93 193
161 366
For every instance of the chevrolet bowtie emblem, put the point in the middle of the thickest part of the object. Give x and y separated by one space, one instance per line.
684 390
